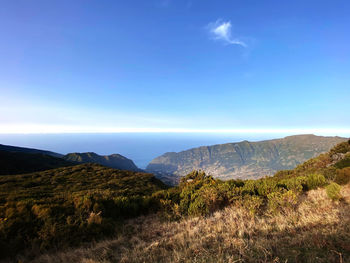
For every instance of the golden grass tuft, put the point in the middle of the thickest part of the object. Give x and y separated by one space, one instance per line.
317 230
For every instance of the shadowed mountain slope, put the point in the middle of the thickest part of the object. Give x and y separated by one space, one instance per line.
21 162
9 148
18 160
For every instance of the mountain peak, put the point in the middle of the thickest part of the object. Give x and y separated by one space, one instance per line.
116 161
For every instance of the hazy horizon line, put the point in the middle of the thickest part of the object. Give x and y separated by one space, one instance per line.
102 130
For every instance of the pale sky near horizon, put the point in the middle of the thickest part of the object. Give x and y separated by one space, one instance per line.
175 66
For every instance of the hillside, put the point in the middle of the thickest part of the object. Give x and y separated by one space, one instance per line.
67 206
17 160
244 159
299 215
23 162
116 161
234 234
8 148
203 219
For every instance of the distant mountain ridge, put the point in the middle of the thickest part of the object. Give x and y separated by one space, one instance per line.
9 148
116 161
19 160
243 159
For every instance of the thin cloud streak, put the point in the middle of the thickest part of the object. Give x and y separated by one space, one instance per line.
221 30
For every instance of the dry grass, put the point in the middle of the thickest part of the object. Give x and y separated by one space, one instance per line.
318 230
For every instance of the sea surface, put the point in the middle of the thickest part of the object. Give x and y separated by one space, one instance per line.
140 147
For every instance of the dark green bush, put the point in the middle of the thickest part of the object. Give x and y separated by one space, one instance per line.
296 184
342 176
253 203
329 173
341 148
207 200
284 174
344 162
315 180
282 201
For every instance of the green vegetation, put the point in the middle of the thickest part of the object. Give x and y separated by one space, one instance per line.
315 180
201 194
116 161
248 160
342 175
333 191
66 206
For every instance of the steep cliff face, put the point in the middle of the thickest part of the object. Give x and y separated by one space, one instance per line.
244 159
116 161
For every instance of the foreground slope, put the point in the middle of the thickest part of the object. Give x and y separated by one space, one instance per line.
116 161
244 159
66 206
304 234
299 215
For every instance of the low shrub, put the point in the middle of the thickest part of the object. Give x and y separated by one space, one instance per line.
333 191
313 181
253 203
345 162
341 148
206 200
282 201
296 184
329 173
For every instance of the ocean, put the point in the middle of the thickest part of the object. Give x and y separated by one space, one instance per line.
140 147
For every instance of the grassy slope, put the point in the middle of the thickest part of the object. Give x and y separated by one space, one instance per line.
62 207
305 234
81 179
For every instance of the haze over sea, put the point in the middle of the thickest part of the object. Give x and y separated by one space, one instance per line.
140 147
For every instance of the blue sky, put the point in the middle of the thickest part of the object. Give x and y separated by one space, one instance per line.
166 65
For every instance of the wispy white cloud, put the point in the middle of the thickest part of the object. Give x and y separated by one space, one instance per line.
221 30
